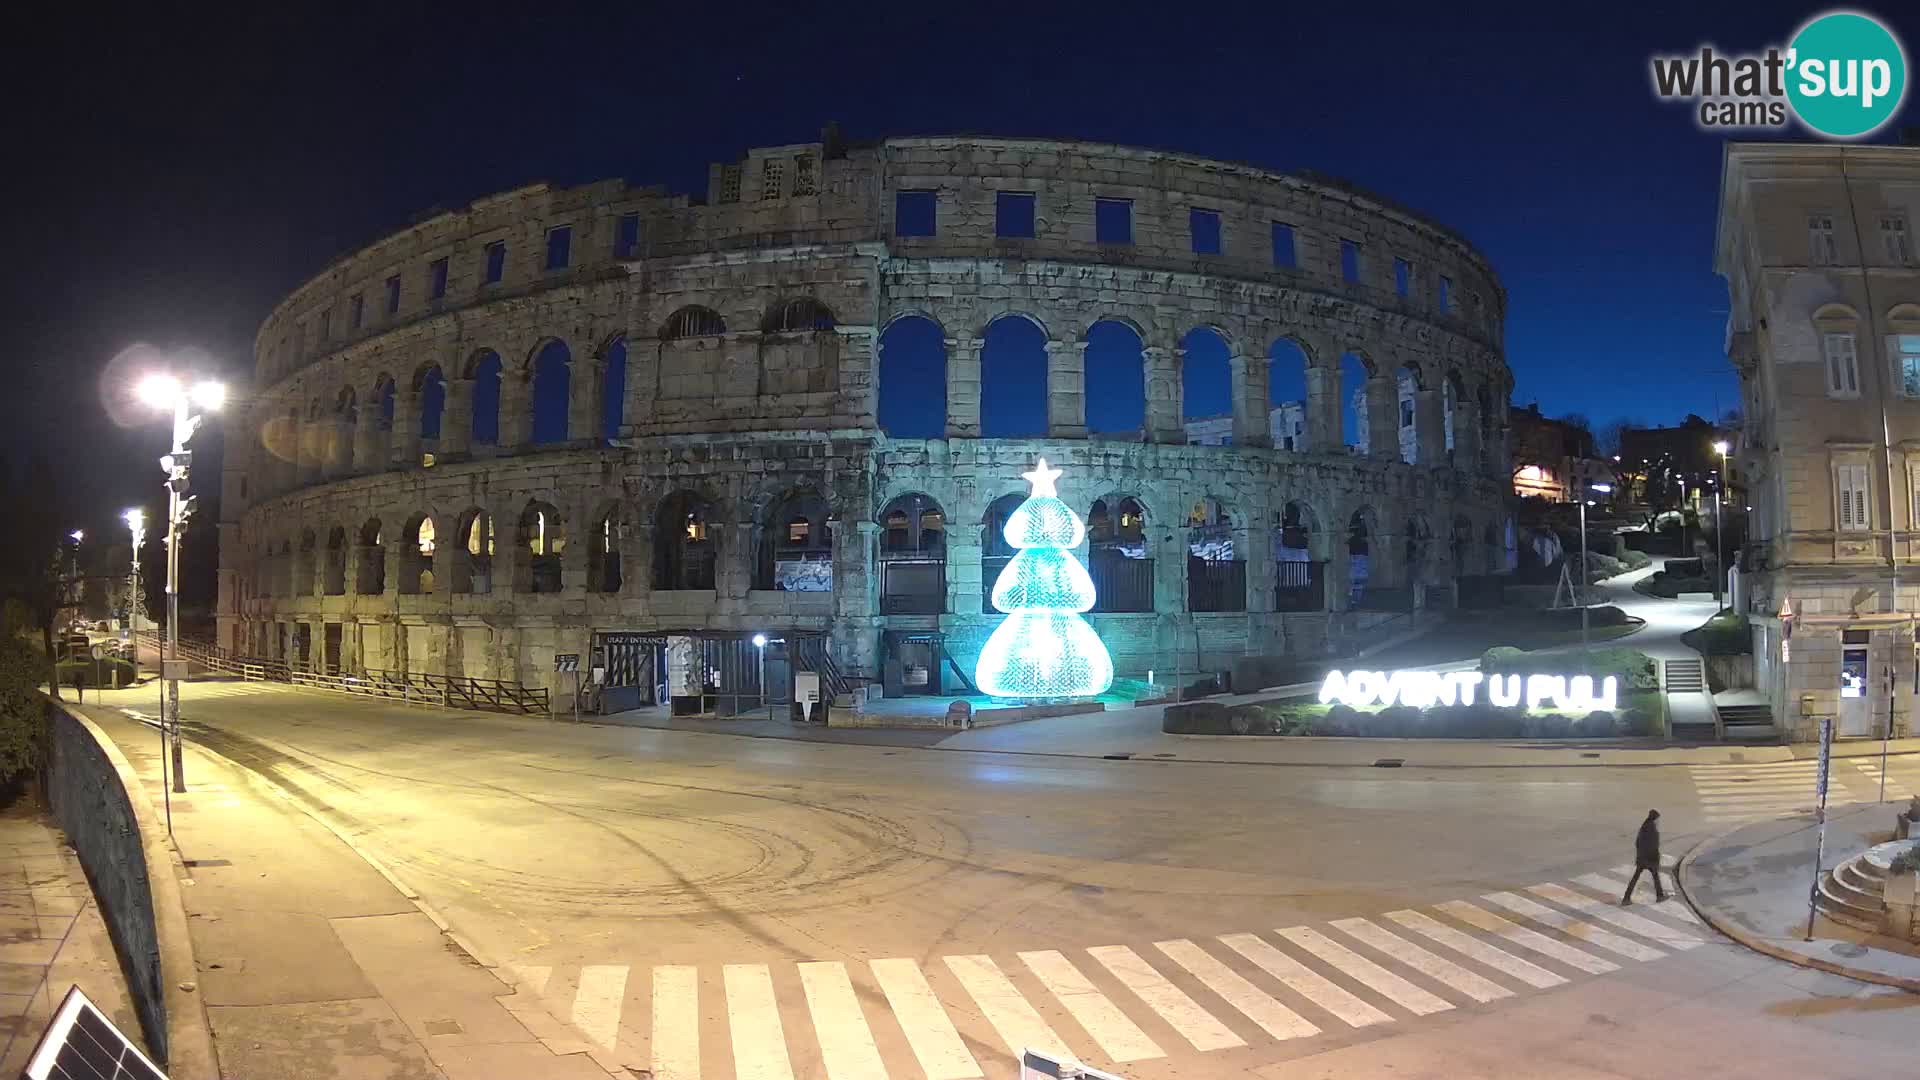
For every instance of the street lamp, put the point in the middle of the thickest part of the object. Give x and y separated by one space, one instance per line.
1719 532
760 643
136 520
163 391
1604 489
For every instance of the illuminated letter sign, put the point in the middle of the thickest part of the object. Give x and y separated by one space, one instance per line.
1422 689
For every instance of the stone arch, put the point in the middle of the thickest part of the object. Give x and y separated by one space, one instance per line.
418 540
1299 558
371 580
1363 541
1115 387
1453 404
913 555
799 315
542 541
549 376
1216 569
384 399
995 551
1416 549
1289 399
305 564
472 570
605 532
1356 368
1013 377
486 371
913 522
684 548
912 391
333 573
1460 546
613 386
692 320
1408 383
796 544
1119 556
1206 384
430 391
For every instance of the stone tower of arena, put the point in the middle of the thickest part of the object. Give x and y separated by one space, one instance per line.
645 427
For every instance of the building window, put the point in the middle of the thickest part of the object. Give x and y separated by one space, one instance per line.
1822 251
326 325
1402 277
393 294
496 262
914 213
1893 232
1906 351
772 172
1446 294
1013 214
1406 413
729 184
356 311
1843 368
1113 221
626 236
1854 506
559 247
1349 262
803 183
437 279
1283 253
1205 227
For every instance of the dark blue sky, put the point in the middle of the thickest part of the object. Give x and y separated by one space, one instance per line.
182 175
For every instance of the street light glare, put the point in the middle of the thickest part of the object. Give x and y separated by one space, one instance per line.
78 535
135 518
1721 447
760 641
159 391
1602 488
210 394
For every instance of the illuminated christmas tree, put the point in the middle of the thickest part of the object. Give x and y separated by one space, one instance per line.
1044 649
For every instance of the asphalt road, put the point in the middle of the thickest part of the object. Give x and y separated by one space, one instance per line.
813 909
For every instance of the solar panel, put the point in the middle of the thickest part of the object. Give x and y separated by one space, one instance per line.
82 1044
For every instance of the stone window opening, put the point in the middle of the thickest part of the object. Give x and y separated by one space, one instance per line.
800 315
1461 547
1822 249
1407 388
559 247
803 175
684 556
1893 234
613 388
496 254
1417 545
915 213
1402 278
1118 559
1013 215
416 556
772 175
603 555
430 389
333 576
1350 261
304 565
1115 365
372 577
693 321
1285 255
1216 575
543 539
729 184
626 236
1203 228
913 379
1299 579
1445 295
437 278
1360 532
1013 379
550 376
995 552
913 556
473 563
1112 221
1453 398
796 546
356 311
393 295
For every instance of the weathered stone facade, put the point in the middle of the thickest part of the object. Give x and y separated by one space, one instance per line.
748 329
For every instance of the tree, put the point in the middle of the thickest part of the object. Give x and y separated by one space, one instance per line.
1043 649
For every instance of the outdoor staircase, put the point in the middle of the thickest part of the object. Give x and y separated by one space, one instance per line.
1853 893
1686 675
1748 723
1694 722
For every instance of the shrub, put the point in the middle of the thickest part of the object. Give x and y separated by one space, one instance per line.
1635 669
1635 560
23 716
95 672
1908 861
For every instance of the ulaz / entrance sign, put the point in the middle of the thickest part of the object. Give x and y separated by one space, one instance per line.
1423 689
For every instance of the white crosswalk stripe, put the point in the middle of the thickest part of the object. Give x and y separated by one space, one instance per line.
846 1043
597 1000
1894 787
1615 881
1254 1003
1366 972
1305 981
1181 1012
1605 912
1119 1037
753 1018
930 1034
1019 1025
676 1023
1729 793
1584 932
1467 945
1426 963
1482 919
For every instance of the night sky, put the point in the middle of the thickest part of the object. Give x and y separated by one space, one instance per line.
172 178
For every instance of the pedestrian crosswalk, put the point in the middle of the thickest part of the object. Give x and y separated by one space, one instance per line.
1730 794
969 1016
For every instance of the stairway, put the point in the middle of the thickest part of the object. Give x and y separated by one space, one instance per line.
1689 707
1853 892
1748 723
1686 675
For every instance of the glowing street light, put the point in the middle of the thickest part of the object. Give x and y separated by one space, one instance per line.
1720 447
760 643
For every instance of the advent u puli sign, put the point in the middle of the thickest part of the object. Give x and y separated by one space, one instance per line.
1424 689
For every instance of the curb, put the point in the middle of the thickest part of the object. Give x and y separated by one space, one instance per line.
1764 947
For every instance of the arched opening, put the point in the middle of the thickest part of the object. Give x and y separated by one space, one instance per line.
613 388
1355 421
386 399
913 556
800 315
371 580
1417 547
334 574
1117 557
1484 403
683 544
796 545
1490 545
913 379
1460 549
603 553
473 563
484 370
995 552
543 539
1453 398
1299 577
416 556
346 418
304 564
1360 530
693 321
431 390
1013 379
1206 388
1116 381
1407 387
283 569
1216 574
551 373
1287 395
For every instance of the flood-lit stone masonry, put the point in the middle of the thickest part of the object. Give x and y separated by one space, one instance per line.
558 414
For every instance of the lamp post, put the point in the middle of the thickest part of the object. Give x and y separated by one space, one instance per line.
1582 584
1719 531
75 592
167 392
760 643
136 520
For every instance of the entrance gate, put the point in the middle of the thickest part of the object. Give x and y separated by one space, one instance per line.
633 663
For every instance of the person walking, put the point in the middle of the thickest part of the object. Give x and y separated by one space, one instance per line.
1646 858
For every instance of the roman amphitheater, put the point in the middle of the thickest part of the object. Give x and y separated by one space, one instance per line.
643 428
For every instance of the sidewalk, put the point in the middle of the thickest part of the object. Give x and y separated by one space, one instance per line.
1752 885
51 937
312 962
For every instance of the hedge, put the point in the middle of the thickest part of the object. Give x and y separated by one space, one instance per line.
1635 669
1641 713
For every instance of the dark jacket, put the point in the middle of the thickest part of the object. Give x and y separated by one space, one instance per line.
1646 846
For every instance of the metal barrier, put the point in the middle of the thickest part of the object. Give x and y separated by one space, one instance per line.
449 691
